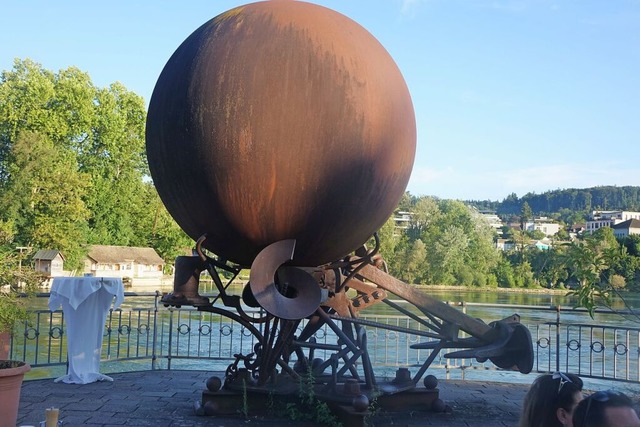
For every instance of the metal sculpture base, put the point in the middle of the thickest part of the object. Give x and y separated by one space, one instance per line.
349 409
289 363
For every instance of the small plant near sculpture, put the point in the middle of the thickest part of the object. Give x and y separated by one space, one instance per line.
373 410
309 407
18 281
245 400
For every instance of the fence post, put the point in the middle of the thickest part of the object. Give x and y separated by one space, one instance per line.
170 338
155 331
557 307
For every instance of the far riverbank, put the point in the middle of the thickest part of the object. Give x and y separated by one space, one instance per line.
496 289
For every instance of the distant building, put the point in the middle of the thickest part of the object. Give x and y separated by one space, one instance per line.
626 228
402 219
509 245
601 219
505 244
543 224
494 220
136 265
49 262
543 245
576 230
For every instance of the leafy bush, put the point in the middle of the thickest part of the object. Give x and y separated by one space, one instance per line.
16 283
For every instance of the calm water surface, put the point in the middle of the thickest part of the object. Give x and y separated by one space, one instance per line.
533 298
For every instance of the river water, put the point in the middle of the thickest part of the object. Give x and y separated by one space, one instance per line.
485 304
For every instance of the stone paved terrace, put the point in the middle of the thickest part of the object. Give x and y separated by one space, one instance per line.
166 398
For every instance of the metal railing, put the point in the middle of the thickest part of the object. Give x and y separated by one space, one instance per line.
152 337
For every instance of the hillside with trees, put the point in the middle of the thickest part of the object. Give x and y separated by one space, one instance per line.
448 242
556 202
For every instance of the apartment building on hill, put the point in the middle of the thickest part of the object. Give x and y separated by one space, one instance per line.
601 219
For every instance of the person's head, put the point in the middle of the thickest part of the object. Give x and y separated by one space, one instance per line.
551 400
606 409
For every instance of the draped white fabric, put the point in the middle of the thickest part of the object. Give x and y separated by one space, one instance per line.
85 302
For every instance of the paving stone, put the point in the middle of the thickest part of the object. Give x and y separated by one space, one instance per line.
166 398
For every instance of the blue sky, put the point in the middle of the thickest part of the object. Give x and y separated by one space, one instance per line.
510 96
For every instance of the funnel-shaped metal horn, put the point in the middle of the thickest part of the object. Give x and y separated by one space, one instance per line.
186 281
284 291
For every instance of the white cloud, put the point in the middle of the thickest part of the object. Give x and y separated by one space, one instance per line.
408 8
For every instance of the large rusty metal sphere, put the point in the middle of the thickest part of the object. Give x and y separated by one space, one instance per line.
281 120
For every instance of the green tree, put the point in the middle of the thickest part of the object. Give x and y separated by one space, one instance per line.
571 217
548 267
73 163
521 240
632 243
425 212
460 243
57 106
16 277
165 236
415 261
524 276
526 214
536 234
389 238
448 255
504 274
43 196
585 263
406 202
116 161
562 234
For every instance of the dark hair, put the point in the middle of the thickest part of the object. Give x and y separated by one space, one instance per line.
547 394
590 411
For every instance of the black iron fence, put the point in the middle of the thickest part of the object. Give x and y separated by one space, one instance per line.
154 337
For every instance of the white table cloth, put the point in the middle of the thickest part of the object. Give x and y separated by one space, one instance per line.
85 302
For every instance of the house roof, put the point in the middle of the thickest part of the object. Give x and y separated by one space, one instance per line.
630 223
117 254
47 254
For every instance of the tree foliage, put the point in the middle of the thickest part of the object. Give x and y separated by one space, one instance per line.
73 169
16 278
574 204
445 243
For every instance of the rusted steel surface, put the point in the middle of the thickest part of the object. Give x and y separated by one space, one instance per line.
425 303
296 294
186 281
281 120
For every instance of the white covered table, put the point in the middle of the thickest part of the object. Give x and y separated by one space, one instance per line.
85 303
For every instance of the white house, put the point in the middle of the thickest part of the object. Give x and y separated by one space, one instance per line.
136 265
543 224
494 220
505 244
609 219
49 262
402 219
626 228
